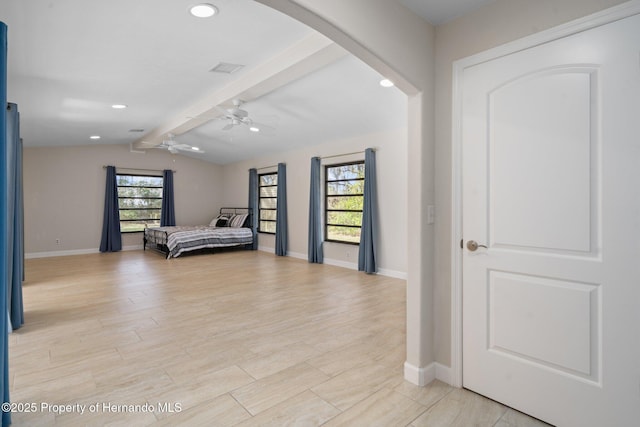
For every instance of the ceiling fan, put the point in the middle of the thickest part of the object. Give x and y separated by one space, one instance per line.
236 116
174 147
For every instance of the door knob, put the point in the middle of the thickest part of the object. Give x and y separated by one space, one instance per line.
472 245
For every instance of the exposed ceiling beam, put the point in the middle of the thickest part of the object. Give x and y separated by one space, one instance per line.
310 54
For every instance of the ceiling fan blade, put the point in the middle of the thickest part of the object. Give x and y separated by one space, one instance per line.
263 129
228 127
188 149
182 146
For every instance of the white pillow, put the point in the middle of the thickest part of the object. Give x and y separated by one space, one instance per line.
237 221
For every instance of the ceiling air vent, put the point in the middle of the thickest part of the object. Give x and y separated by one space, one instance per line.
226 68
136 130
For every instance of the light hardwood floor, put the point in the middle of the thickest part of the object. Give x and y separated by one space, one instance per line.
237 338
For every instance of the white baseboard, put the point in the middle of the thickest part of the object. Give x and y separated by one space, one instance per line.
393 273
354 266
444 374
423 376
338 263
419 376
328 261
298 255
33 255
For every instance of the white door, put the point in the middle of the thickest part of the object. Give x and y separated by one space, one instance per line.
551 185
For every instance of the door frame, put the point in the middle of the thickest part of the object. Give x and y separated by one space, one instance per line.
564 30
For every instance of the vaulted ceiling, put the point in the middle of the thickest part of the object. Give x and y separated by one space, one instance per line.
70 60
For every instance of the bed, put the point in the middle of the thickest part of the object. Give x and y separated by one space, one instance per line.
231 228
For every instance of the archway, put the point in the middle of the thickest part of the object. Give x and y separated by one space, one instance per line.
403 52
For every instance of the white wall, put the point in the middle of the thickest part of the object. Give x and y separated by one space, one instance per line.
492 25
391 154
64 193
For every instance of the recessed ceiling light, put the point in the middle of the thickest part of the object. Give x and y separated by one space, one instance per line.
254 129
118 106
94 137
386 83
203 10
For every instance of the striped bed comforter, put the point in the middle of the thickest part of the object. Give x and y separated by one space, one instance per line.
185 239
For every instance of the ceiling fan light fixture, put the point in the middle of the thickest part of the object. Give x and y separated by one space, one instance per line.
203 10
195 148
94 137
118 106
386 83
254 129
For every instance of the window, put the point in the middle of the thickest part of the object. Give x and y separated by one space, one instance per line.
344 197
268 195
139 201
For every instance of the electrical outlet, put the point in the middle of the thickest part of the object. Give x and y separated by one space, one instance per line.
57 241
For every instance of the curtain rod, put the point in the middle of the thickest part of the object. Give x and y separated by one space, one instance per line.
267 167
138 169
345 154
